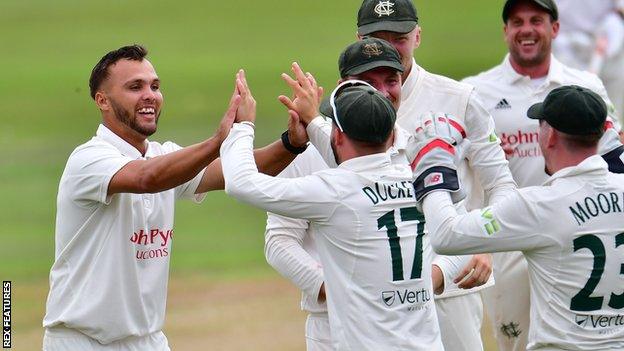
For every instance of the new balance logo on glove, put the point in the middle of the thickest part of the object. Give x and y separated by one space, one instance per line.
503 104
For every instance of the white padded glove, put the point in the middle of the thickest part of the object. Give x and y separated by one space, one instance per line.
439 146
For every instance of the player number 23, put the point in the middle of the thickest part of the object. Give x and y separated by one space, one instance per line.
583 301
387 221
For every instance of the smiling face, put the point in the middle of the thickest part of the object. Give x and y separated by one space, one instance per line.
529 32
130 97
386 80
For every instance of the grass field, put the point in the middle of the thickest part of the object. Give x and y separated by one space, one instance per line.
223 294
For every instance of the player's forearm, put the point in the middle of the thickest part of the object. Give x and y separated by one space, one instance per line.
287 256
167 171
485 155
442 218
271 160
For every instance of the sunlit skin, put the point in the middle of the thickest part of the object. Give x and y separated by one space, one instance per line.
130 101
404 43
386 80
529 33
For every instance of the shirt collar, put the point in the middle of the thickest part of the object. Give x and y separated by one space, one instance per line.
123 146
368 162
555 71
401 139
591 166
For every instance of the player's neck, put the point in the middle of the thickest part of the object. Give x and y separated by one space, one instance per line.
565 159
127 134
539 70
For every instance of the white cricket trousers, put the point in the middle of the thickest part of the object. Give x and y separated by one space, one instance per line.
64 339
317 333
508 302
460 319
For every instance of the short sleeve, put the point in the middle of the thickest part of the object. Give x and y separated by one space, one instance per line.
89 171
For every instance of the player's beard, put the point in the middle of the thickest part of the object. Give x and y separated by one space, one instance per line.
129 119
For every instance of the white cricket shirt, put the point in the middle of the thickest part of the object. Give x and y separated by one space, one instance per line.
369 236
571 233
111 266
508 95
484 173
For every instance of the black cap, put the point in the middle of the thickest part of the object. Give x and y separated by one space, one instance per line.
572 110
368 54
548 6
386 15
362 113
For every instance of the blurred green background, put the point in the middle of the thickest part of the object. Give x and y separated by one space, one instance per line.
49 47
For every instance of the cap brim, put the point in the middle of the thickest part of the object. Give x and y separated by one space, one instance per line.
325 109
536 111
390 26
371 65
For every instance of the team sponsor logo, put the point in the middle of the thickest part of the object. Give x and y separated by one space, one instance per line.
414 299
599 322
153 243
433 179
502 105
384 8
372 49
524 144
490 224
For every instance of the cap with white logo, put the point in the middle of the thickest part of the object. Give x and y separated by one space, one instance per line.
398 16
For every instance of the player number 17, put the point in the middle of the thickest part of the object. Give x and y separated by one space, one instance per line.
387 221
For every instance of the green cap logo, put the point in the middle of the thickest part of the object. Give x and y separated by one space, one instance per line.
372 49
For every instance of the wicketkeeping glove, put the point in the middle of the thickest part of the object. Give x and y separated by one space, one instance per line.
439 145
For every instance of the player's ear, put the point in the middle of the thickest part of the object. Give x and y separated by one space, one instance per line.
555 29
101 100
552 137
417 33
358 37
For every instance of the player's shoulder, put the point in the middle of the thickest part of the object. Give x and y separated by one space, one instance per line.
93 147
448 85
488 77
569 76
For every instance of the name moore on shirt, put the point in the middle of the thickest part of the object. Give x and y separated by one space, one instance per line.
145 240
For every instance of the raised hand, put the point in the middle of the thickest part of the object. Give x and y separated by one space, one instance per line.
247 109
307 94
297 134
228 118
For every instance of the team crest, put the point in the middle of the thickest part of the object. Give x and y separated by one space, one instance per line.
388 297
373 49
384 8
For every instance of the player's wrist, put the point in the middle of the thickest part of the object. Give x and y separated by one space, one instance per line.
437 178
290 147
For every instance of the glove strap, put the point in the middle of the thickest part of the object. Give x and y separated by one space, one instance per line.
436 178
